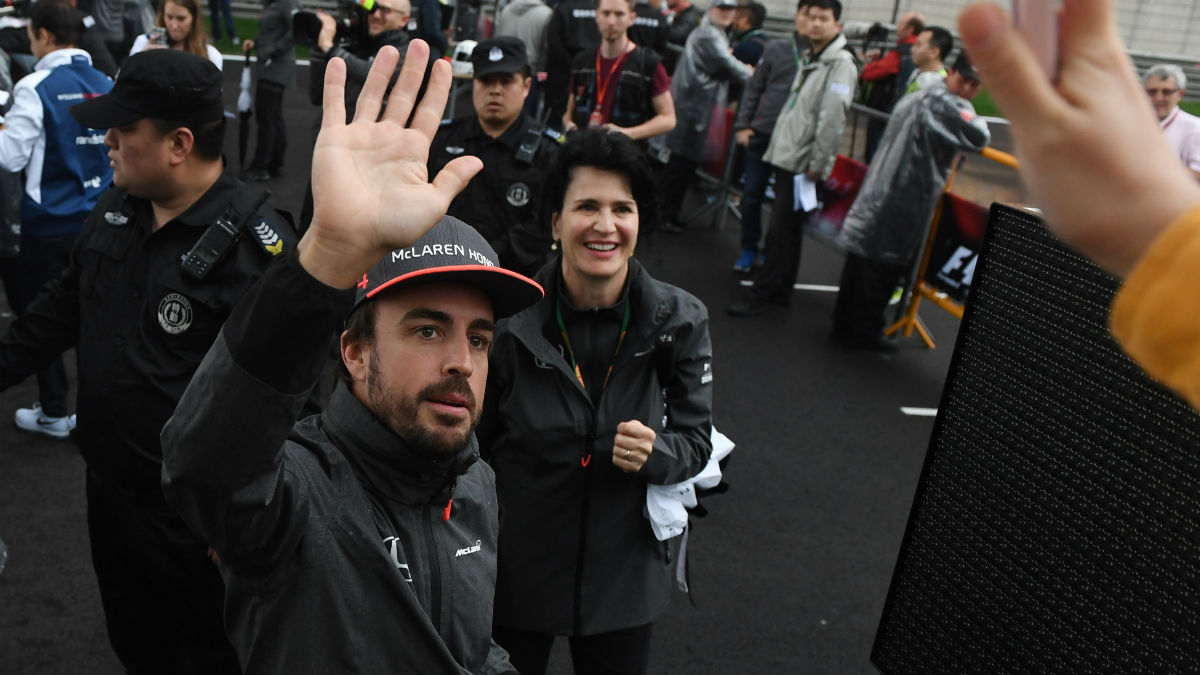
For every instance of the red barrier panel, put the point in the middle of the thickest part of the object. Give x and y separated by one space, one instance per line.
717 146
837 194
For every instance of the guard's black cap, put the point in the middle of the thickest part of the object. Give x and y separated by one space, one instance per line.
964 67
452 251
165 84
505 54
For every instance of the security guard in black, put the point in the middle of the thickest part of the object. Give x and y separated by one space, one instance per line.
143 323
501 201
163 258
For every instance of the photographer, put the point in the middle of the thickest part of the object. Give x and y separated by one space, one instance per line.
385 26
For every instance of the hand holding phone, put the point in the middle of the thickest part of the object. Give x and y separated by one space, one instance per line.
158 35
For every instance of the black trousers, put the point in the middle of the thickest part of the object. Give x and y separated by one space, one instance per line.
875 129
621 652
41 260
272 131
785 240
863 297
673 185
163 598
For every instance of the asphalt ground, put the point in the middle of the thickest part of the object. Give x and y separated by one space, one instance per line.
789 570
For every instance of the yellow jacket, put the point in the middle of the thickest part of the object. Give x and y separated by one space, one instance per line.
1156 315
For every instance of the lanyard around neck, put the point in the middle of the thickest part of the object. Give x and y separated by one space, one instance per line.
562 328
603 82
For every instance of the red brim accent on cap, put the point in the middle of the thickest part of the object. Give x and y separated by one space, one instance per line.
509 291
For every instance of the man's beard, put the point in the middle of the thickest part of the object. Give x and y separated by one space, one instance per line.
400 413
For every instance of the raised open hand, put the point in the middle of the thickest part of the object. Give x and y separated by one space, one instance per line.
1092 155
371 189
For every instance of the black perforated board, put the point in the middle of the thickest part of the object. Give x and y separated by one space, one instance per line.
1056 525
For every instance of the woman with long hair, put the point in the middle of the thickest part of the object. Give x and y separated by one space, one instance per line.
178 26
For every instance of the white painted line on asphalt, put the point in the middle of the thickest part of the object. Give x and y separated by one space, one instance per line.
919 412
800 287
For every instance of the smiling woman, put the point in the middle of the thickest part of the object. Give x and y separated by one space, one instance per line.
595 392
597 230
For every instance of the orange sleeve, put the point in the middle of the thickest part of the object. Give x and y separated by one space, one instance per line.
1156 315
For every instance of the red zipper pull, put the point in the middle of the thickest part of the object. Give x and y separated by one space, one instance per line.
584 461
446 511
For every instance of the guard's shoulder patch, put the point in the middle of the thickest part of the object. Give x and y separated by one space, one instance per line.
555 135
266 236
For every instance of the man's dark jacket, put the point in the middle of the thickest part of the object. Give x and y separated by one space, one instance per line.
572 30
770 85
632 100
139 324
358 64
339 544
501 200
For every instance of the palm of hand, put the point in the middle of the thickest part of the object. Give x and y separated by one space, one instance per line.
371 188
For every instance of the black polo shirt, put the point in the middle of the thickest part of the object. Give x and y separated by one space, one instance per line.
502 200
139 324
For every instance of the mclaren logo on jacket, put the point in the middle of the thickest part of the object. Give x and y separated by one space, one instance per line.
470 549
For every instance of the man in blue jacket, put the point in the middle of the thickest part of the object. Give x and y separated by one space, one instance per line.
66 171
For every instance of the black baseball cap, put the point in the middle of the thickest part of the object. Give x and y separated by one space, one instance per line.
165 84
452 251
964 67
505 54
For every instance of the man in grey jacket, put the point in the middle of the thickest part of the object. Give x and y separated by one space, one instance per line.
362 539
701 85
803 148
886 226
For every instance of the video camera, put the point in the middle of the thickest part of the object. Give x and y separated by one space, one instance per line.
350 16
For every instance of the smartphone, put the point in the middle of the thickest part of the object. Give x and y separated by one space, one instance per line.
158 35
1037 22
